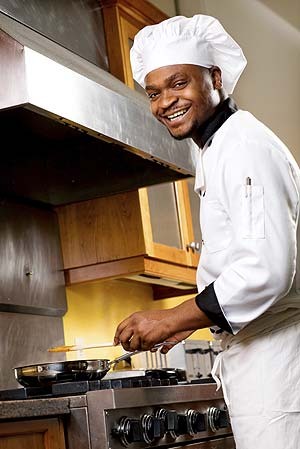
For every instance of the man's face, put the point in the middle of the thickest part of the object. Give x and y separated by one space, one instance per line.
183 97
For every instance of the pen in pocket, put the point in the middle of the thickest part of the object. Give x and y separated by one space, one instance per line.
247 186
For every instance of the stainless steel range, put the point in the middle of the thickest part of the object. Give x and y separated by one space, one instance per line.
159 417
149 410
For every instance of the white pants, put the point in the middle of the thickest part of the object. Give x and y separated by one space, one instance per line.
261 383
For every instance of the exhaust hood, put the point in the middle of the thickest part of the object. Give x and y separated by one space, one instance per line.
71 131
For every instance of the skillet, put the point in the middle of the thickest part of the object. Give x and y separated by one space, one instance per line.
46 374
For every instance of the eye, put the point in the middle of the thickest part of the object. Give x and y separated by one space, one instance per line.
152 95
180 84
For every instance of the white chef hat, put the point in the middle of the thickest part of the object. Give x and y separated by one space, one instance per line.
199 40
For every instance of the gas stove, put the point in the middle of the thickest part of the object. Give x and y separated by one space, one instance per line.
155 408
113 380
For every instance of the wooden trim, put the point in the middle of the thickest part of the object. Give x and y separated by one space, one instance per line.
122 20
128 31
113 37
170 271
129 267
146 220
105 271
141 10
186 222
169 254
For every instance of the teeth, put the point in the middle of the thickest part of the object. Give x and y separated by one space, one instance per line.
177 114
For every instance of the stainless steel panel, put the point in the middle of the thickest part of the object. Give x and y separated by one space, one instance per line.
24 340
31 267
78 434
105 409
48 88
60 22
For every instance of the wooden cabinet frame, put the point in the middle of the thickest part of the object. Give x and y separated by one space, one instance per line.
122 20
163 252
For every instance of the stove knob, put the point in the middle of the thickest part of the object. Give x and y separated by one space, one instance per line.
152 428
217 418
191 423
170 420
195 422
128 430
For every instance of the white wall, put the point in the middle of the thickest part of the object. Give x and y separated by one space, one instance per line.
270 85
166 6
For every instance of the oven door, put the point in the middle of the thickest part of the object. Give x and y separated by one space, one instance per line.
220 443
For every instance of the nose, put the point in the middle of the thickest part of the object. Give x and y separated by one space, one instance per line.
166 99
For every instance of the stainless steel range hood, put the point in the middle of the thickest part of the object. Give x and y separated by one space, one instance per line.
73 131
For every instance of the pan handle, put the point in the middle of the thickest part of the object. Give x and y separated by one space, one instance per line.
129 354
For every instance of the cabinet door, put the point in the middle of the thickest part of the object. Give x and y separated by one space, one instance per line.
40 434
167 223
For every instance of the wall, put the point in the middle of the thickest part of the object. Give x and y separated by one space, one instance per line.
269 33
95 309
166 6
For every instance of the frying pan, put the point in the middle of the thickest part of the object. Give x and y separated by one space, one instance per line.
46 374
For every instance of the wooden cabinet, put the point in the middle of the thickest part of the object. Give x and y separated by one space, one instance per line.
33 434
148 235
112 237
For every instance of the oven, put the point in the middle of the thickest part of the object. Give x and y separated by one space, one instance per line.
149 410
166 417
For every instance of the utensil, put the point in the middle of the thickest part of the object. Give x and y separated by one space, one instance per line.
68 348
46 374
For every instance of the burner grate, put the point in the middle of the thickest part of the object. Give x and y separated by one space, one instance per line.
82 387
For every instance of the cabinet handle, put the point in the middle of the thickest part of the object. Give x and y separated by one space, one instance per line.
194 246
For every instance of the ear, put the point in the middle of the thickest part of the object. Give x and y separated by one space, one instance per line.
216 76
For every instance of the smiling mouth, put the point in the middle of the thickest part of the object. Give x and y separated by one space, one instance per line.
177 115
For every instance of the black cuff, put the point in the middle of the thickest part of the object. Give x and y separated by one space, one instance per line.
208 302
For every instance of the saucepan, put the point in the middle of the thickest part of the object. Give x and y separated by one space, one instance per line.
46 374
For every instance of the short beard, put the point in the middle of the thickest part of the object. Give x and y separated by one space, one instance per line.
189 134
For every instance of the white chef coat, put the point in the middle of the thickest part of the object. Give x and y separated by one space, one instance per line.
249 253
249 231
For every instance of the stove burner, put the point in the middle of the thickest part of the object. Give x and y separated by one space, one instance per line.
151 378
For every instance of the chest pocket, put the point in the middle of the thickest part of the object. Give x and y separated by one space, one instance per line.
215 226
253 220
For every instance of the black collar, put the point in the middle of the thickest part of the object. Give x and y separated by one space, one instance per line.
223 111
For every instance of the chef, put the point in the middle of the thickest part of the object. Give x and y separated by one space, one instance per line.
248 184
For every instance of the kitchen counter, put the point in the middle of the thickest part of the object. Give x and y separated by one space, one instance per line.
31 408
